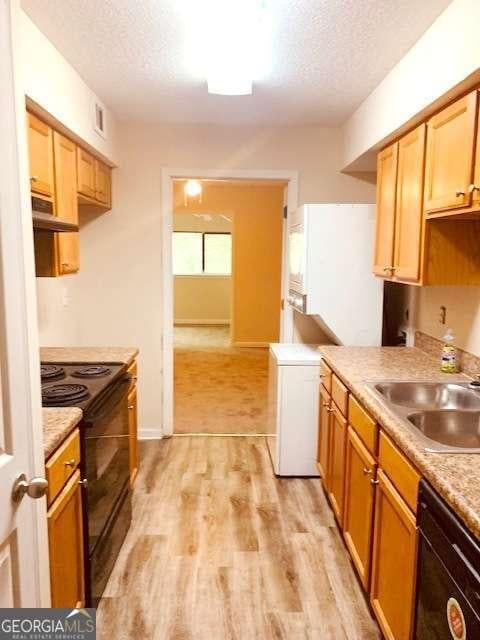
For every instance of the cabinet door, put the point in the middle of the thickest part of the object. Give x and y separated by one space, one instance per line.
409 205
336 462
102 183
323 435
132 431
393 562
449 159
476 177
385 225
65 156
85 173
40 149
65 542
360 468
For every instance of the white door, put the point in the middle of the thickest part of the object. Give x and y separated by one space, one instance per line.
23 568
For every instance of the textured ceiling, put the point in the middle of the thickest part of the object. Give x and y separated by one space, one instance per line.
328 55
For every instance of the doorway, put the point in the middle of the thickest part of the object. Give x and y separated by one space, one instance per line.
220 350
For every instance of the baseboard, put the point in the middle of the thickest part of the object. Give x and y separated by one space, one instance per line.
150 434
251 344
194 322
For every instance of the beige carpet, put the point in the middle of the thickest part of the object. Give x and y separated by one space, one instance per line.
218 388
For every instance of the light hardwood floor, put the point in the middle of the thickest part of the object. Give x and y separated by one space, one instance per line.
221 549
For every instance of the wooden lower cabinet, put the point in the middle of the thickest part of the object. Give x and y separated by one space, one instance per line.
133 433
394 555
336 462
360 470
323 435
65 541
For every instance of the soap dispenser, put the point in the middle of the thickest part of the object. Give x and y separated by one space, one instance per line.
449 353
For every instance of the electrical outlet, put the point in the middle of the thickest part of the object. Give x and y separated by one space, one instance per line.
442 317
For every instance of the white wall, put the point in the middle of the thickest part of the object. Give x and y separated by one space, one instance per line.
121 262
51 82
446 55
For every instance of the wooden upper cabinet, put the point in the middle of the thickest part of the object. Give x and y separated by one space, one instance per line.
102 183
394 555
359 494
85 174
475 188
65 155
65 540
386 196
40 147
450 156
409 222
336 462
323 436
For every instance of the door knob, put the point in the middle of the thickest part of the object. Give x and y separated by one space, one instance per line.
35 488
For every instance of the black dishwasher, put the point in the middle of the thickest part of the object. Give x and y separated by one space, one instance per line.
448 579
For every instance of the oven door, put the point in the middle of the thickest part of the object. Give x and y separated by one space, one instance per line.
106 457
443 610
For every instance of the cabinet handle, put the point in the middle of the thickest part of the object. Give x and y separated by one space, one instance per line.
459 193
83 482
373 481
131 407
330 410
70 463
326 404
366 472
33 179
473 187
392 269
134 378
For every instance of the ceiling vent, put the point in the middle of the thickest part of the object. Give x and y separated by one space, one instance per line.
100 119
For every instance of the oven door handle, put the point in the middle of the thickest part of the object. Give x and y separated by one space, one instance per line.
110 401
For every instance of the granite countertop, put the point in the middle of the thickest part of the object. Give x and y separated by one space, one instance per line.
58 422
88 354
456 476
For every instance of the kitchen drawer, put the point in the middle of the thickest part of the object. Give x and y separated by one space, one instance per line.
364 425
62 464
399 470
326 375
340 394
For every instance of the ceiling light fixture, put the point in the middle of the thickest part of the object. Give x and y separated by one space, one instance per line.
230 40
192 189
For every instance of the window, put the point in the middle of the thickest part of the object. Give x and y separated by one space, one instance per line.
196 253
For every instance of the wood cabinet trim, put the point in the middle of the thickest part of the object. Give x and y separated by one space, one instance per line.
362 564
336 476
399 470
71 491
386 491
363 424
385 213
62 465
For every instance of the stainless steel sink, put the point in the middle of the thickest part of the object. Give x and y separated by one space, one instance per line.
451 428
445 415
431 395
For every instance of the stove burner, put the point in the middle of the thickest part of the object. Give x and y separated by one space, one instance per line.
92 371
51 371
58 395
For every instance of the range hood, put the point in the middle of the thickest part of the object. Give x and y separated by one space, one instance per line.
44 220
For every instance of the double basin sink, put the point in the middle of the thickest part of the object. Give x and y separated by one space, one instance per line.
445 415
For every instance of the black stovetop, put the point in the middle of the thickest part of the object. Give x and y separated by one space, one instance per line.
77 384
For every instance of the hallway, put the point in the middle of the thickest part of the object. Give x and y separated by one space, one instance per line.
218 389
220 549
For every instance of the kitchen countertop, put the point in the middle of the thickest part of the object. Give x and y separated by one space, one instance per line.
58 422
456 476
88 354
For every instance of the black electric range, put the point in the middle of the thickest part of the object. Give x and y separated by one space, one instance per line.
100 390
